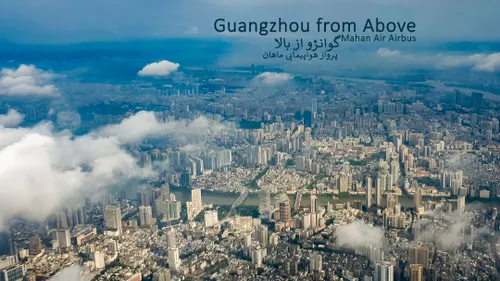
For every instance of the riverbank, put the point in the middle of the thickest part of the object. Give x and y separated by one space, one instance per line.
227 198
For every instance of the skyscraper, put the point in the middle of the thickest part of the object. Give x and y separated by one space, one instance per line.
477 100
99 260
145 216
63 238
174 261
196 200
262 235
285 212
35 246
418 254
144 197
171 238
368 192
308 118
379 187
113 218
186 179
316 262
417 198
416 272
62 220
314 202
257 256
384 272
264 203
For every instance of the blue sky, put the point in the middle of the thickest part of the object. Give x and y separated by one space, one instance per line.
70 21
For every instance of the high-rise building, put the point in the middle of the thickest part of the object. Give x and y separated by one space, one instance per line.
35 246
247 240
145 196
316 262
417 198
394 171
196 200
63 238
264 203
211 218
308 119
292 267
368 192
416 272
171 238
145 216
285 211
418 254
186 179
461 204
314 202
190 210
384 272
391 201
162 275
257 256
174 210
113 218
164 193
99 260
62 220
477 100
174 261
262 235
379 188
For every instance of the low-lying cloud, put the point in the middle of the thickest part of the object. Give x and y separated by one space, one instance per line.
273 78
193 31
68 119
454 230
41 170
11 119
27 80
145 124
162 68
474 62
384 52
358 234
477 62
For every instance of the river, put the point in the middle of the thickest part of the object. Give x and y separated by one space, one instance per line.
216 198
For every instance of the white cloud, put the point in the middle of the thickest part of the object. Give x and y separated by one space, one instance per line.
145 124
477 62
385 53
11 119
161 68
26 80
68 119
193 31
358 234
453 230
42 170
273 78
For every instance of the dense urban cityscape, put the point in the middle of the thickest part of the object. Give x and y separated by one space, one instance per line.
255 174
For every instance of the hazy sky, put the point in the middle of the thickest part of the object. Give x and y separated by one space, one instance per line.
67 21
